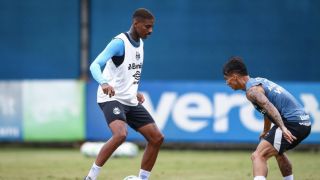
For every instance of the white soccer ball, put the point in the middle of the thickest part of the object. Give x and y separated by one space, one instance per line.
91 149
131 177
127 149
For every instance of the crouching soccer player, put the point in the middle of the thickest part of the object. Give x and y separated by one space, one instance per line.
291 122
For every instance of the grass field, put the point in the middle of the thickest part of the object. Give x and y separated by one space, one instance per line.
46 163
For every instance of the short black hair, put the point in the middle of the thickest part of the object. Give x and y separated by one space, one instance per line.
142 13
235 64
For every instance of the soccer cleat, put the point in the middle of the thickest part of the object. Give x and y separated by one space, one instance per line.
87 178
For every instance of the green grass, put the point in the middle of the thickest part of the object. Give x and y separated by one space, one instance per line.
45 163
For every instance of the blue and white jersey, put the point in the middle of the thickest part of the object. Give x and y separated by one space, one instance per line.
123 61
289 108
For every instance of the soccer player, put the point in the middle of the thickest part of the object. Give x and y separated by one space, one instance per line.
118 95
291 122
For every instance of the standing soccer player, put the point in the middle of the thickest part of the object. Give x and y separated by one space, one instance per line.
291 122
118 95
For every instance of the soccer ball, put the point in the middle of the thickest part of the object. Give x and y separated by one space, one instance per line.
127 149
131 177
91 149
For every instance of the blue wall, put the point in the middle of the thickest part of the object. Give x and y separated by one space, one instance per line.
192 39
39 39
279 40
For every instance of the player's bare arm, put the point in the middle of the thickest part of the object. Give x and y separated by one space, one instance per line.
266 127
256 95
107 89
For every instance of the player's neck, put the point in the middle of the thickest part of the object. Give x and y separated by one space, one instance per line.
133 34
245 79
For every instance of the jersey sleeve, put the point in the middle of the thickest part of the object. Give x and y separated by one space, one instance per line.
114 48
253 82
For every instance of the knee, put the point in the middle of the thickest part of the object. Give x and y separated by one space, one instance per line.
158 140
120 137
256 155
161 139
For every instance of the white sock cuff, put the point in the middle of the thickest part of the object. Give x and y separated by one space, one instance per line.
95 166
259 178
94 171
143 174
290 177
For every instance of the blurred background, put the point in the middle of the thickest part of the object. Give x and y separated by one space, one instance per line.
47 93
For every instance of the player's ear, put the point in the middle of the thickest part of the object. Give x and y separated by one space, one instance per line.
136 21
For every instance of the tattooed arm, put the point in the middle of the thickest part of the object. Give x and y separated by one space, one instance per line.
257 95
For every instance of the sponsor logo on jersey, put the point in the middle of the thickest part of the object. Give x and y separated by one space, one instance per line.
136 76
305 117
135 66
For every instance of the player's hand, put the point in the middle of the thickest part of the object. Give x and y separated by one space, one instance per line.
140 98
107 89
287 135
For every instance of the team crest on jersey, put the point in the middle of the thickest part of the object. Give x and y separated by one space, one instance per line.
137 55
116 111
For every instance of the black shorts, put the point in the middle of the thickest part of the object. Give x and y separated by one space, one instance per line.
134 116
277 140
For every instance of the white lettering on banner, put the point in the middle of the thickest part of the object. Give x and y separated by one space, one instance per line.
9 132
165 105
192 111
7 106
311 105
223 103
248 118
189 107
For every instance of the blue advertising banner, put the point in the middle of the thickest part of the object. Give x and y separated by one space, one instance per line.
10 111
193 111
96 126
